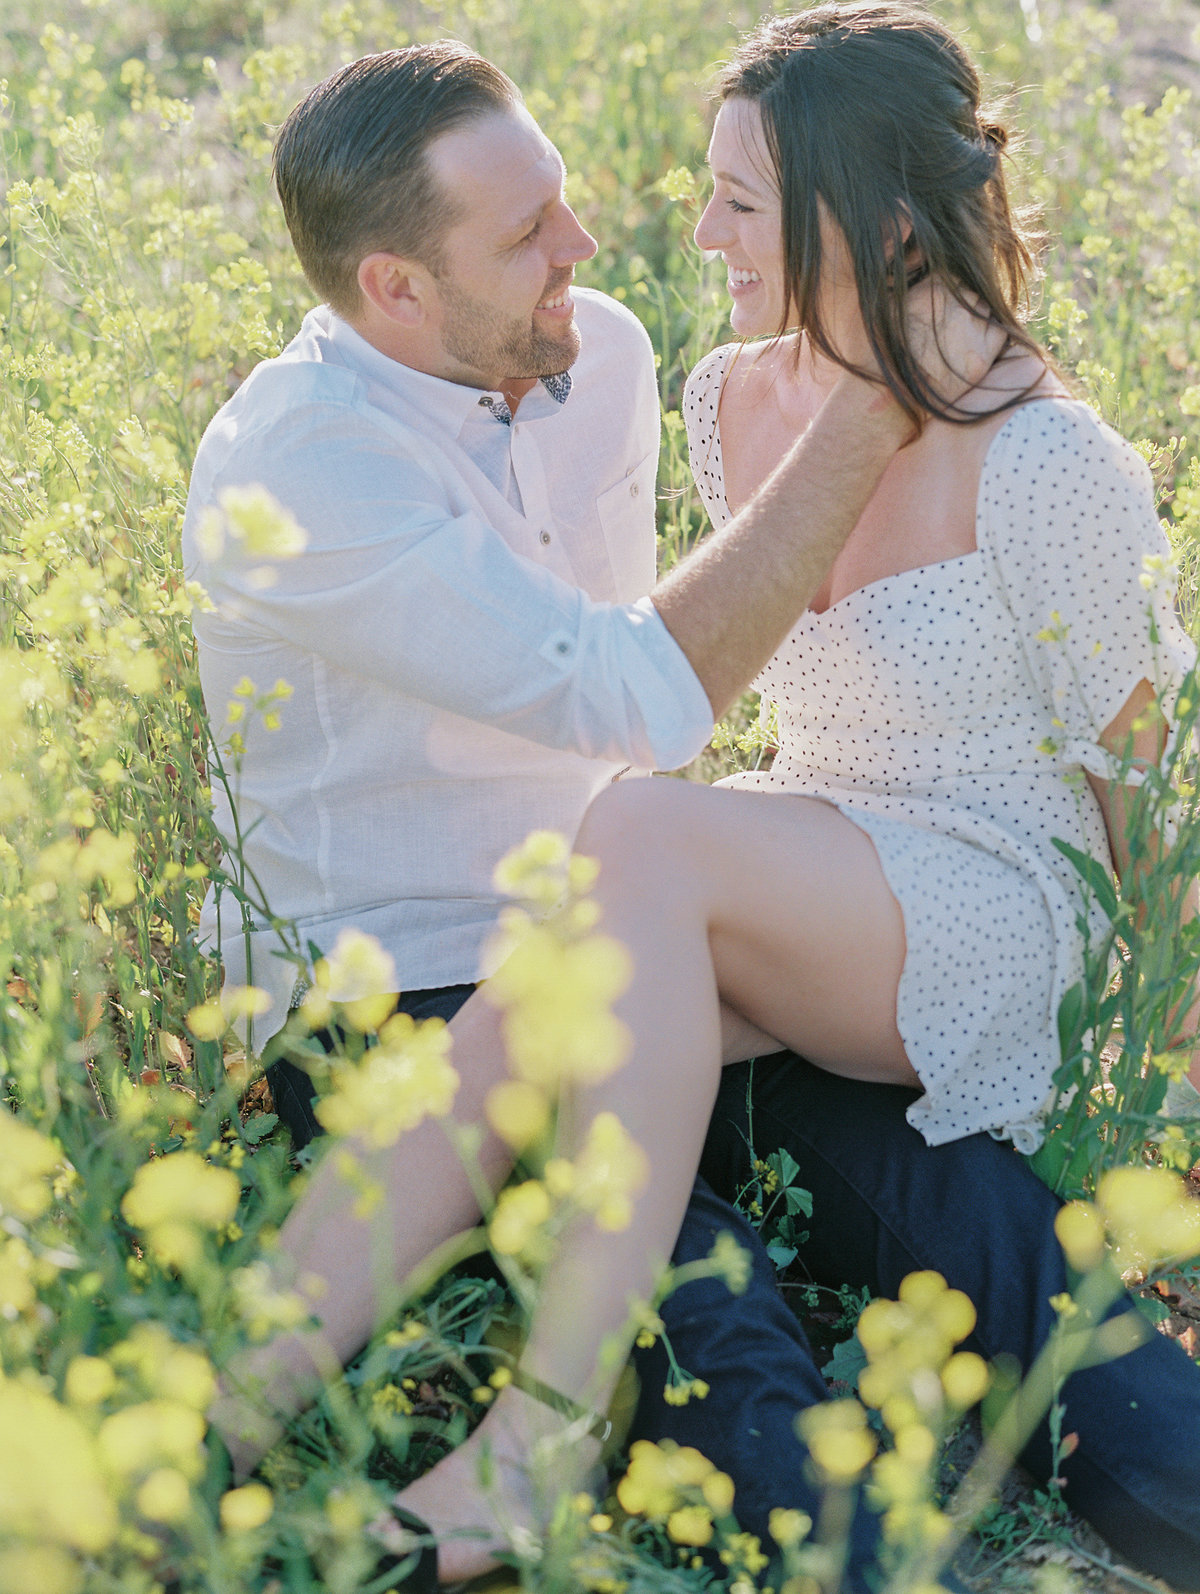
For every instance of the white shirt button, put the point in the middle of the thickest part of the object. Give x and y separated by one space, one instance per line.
545 535
634 489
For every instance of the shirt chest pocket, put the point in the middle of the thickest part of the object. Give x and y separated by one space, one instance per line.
626 512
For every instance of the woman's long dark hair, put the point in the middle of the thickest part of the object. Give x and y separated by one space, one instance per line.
874 110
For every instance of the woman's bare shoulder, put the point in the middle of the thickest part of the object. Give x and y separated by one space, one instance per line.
755 372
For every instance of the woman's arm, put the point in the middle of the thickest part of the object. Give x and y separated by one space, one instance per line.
1140 731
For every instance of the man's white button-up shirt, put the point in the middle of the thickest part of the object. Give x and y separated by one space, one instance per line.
466 636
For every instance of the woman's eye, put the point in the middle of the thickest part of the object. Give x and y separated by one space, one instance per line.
742 210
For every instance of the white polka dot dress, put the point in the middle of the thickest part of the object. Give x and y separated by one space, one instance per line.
950 712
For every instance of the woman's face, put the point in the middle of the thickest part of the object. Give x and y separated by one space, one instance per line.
743 222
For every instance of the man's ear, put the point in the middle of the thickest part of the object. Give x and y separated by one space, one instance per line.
401 290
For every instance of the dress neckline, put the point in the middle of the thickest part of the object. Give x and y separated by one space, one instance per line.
717 467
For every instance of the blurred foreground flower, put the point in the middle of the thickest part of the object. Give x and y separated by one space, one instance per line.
247 1508
52 1485
1147 1215
608 1173
406 1078
557 978
838 1439
677 1485
173 1199
251 525
27 1160
359 976
908 1343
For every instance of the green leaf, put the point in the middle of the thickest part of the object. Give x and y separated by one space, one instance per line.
1072 1018
1095 875
847 1362
785 1166
262 1123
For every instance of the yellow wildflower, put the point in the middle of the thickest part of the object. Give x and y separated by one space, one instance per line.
361 976
557 996
51 1485
247 1508
39 1569
1150 1216
139 1437
17 1292
660 1477
789 1527
403 1080
517 1224
27 1160
838 1438
90 1379
690 1524
610 1170
518 1112
965 1379
165 1496
1080 1231
173 1197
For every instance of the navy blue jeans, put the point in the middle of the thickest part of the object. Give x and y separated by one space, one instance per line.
885 1205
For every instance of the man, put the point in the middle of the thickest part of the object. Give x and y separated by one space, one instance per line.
469 445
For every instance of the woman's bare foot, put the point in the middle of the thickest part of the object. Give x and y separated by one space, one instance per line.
497 1490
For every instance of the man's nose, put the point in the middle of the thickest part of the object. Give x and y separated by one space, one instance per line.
574 242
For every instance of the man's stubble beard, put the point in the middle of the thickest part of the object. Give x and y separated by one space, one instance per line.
477 336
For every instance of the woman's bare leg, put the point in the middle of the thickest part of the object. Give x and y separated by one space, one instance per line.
345 1265
779 907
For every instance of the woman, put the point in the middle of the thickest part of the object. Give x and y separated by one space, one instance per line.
887 900
902 914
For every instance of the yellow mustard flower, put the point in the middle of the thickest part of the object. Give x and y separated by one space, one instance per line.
406 1078
610 1170
838 1439
140 1437
517 1226
27 1162
247 1508
52 1487
173 1198
39 1569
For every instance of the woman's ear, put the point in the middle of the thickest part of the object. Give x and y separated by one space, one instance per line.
901 222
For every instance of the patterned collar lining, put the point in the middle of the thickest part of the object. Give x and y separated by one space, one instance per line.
558 388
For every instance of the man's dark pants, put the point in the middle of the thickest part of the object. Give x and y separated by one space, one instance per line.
884 1205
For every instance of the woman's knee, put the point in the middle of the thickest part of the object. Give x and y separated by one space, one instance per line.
629 818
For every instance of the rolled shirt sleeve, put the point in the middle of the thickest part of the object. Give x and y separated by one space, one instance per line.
396 587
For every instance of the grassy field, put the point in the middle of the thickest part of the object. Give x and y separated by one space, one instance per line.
145 270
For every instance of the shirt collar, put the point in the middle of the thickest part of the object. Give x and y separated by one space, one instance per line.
558 387
450 403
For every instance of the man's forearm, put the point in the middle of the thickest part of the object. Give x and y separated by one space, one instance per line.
731 603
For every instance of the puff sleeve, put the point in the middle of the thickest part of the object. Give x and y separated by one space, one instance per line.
1069 534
